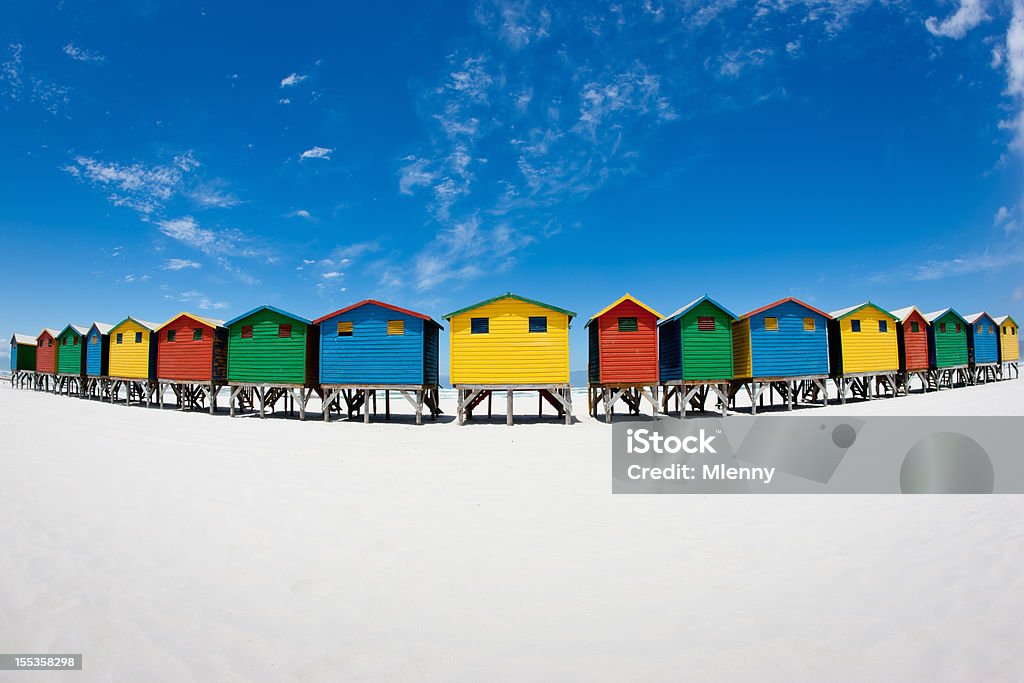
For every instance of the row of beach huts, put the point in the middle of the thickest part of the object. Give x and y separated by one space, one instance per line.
269 359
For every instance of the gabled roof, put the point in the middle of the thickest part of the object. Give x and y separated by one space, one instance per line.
212 322
625 297
152 327
903 313
102 328
268 308
685 309
973 317
19 338
80 329
935 315
374 302
52 332
787 300
1003 318
843 312
509 295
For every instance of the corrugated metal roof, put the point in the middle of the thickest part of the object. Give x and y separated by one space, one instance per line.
52 332
509 295
374 302
81 330
905 312
973 317
103 328
268 308
788 299
695 302
935 315
19 338
625 297
212 322
1003 318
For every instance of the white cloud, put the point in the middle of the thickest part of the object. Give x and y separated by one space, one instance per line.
467 251
1006 219
284 100
317 153
300 213
967 16
10 71
180 264
136 186
199 299
414 174
213 195
292 79
331 275
82 55
1015 71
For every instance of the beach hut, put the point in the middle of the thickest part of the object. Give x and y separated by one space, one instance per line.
46 359
192 360
71 360
510 343
97 360
863 351
623 356
1009 347
947 348
695 355
372 346
23 360
982 347
132 360
272 355
912 346
783 348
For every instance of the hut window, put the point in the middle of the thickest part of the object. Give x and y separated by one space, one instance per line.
479 325
958 328
172 335
345 329
538 323
854 326
705 323
980 328
197 334
74 341
396 328
942 328
914 326
883 326
991 329
771 324
810 325
63 341
284 330
118 337
246 331
138 337
94 339
628 325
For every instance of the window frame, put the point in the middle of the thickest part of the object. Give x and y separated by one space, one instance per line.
855 325
282 328
172 336
479 325
197 334
246 332
346 328
626 330
810 324
702 319
771 323
883 327
399 325
537 321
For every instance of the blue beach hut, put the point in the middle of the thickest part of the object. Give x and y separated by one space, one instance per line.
97 350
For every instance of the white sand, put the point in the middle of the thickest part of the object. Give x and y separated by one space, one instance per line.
183 547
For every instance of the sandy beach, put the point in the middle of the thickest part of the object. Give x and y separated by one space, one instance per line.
169 546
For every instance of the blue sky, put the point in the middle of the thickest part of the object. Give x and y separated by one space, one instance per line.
161 157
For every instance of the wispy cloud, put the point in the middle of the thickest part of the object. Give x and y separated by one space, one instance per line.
10 71
180 264
143 188
132 278
967 16
82 55
317 153
213 194
1015 71
467 251
197 299
300 213
994 259
52 97
1007 219
292 79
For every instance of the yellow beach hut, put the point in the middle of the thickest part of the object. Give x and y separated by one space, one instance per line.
132 359
1009 346
863 351
510 343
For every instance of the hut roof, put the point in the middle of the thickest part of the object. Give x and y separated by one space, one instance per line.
788 299
212 322
843 312
268 308
625 297
19 338
905 312
365 302
685 309
935 315
52 332
103 328
509 295
80 329
1003 318
152 327
974 317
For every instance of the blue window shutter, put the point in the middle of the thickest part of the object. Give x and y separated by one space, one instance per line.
538 323
479 325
